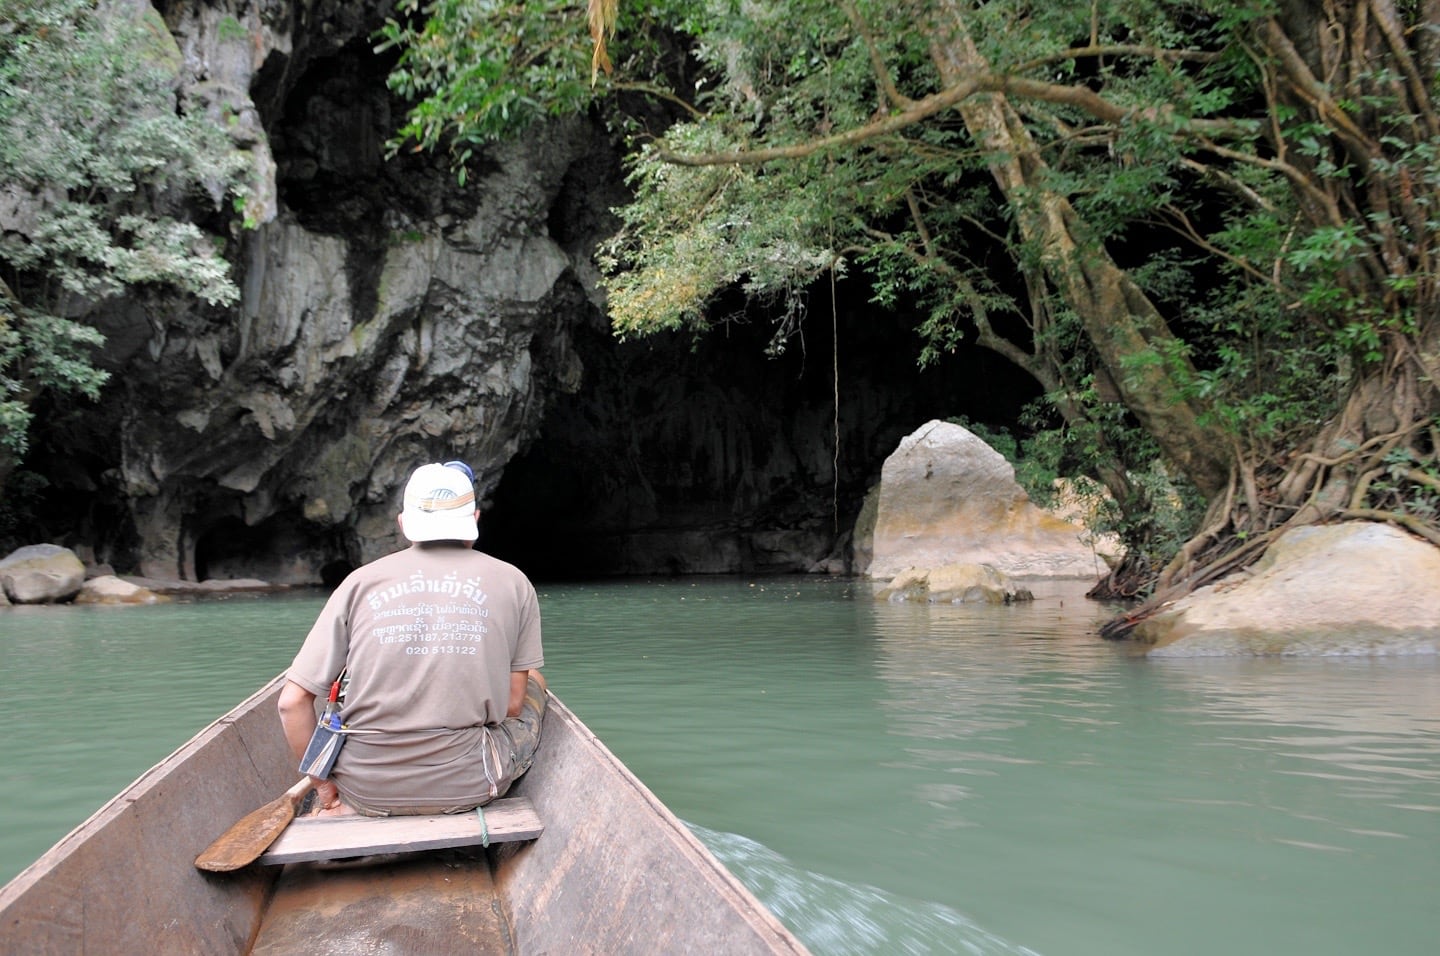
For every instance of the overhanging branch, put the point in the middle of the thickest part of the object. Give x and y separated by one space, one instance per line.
922 109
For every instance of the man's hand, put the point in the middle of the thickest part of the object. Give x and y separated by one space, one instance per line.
327 800
327 795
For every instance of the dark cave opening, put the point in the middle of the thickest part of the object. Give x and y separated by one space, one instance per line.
682 455
334 572
283 550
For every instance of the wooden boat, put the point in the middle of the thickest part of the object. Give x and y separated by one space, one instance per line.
613 872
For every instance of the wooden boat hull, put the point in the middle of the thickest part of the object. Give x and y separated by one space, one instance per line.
614 871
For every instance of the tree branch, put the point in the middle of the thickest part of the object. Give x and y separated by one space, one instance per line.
1408 522
1187 229
922 109
919 110
877 63
1117 49
660 93
985 332
1423 478
1358 145
1296 176
1388 21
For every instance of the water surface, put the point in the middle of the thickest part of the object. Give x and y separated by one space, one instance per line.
888 778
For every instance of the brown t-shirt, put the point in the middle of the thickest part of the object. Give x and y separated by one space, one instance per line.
430 635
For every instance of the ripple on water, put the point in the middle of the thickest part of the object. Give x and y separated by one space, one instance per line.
844 919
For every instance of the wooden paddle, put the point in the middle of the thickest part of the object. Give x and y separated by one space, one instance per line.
252 834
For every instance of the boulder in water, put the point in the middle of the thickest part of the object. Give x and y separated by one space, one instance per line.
954 584
41 574
948 498
109 589
1353 588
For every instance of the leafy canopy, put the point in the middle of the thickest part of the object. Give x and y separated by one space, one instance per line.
96 160
1276 214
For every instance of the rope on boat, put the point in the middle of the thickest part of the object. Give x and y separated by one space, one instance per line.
484 829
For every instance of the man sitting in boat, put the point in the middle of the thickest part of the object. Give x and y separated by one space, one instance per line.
439 648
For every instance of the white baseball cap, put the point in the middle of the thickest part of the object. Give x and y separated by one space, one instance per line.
440 505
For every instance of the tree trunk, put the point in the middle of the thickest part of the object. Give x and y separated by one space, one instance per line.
1355 70
1129 335
1390 413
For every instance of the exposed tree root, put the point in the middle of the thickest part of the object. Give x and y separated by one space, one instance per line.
1374 480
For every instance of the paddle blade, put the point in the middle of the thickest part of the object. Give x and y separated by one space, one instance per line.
252 834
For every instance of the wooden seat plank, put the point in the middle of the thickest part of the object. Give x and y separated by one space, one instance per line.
330 838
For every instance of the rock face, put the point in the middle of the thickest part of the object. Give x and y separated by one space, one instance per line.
948 498
389 316
1356 588
41 574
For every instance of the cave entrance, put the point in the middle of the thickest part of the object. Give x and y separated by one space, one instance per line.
282 550
542 518
685 456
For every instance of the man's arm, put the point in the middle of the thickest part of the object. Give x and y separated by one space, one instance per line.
297 717
518 679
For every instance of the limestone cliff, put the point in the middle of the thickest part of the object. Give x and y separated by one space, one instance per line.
388 315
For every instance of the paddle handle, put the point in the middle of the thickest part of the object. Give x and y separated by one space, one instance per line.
297 793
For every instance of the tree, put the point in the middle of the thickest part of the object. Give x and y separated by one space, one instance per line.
97 165
1206 228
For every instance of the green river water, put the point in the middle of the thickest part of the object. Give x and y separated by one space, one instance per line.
887 778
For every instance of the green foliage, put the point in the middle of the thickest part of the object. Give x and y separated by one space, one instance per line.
1159 510
1410 484
93 148
39 351
14 408
1286 246
480 70
94 151
1150 507
736 226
